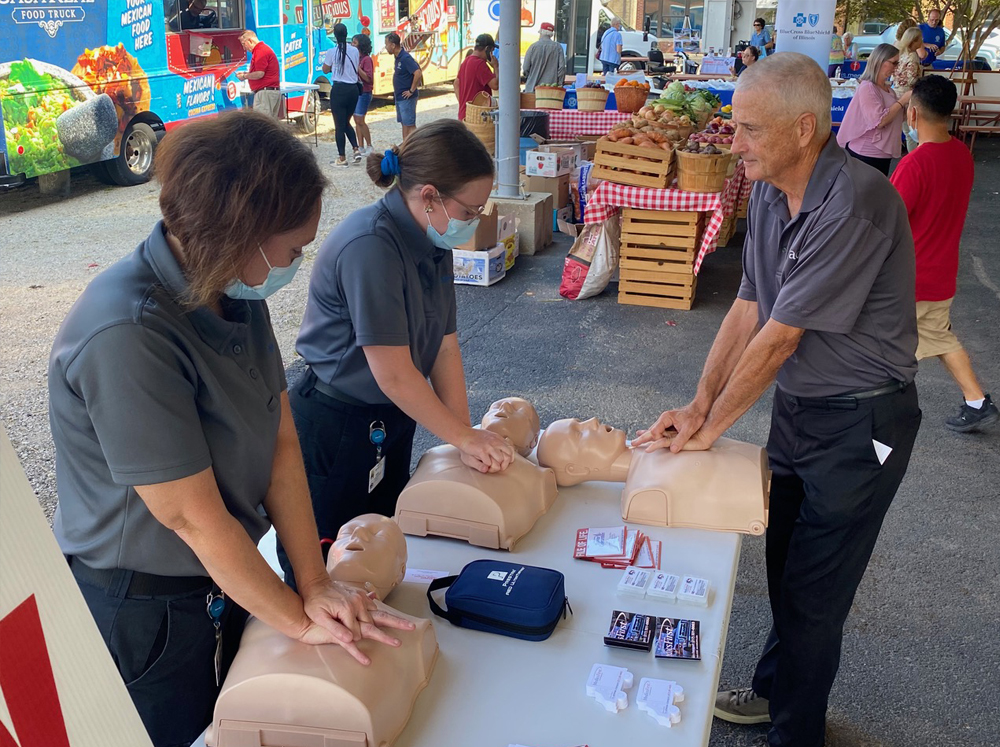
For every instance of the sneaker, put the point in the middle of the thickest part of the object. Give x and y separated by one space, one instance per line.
357 156
742 706
341 163
367 151
969 418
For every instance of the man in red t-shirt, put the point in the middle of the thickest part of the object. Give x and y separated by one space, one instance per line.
478 73
264 76
935 181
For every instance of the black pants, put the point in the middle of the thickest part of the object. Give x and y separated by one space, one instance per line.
339 456
343 101
829 495
164 648
882 164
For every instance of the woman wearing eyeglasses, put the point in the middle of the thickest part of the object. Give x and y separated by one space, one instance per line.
873 123
379 332
761 38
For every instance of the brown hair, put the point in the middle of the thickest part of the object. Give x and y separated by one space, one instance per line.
228 183
443 153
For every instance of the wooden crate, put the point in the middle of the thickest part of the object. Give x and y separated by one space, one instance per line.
612 163
661 234
657 257
726 231
741 209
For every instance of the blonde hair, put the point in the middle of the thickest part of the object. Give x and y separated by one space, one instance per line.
909 36
907 23
881 54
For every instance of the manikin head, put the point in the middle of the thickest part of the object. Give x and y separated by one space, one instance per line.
516 420
370 551
582 450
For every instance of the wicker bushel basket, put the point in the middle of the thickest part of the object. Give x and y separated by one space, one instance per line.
629 98
701 172
479 120
549 97
591 99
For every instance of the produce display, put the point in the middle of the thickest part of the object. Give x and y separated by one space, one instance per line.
632 84
718 132
653 120
697 103
695 147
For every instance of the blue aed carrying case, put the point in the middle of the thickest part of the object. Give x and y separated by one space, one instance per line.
496 596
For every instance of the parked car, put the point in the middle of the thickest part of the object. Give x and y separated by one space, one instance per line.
988 56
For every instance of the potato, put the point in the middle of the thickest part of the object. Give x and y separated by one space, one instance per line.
666 146
643 110
626 141
659 108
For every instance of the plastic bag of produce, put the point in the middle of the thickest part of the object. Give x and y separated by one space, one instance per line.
592 260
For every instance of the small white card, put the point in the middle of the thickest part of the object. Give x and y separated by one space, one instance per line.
664 585
693 590
634 581
881 451
421 576
376 475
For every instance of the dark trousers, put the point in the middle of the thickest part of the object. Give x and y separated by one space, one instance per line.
882 164
164 648
343 101
339 456
829 495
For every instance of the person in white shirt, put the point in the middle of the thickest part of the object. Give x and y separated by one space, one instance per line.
341 64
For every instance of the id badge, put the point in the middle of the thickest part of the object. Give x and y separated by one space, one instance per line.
376 474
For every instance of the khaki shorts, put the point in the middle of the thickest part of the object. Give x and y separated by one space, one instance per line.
934 329
269 102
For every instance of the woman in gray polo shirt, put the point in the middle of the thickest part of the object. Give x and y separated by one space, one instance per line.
380 323
175 448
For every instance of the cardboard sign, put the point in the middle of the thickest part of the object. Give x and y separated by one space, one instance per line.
58 684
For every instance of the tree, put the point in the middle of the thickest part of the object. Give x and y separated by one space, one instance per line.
890 11
975 20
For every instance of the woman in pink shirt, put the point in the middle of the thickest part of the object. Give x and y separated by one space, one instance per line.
872 129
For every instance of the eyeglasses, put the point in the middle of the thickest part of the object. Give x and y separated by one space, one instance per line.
757 26
474 210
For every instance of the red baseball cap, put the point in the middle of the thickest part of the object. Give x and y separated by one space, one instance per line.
547 27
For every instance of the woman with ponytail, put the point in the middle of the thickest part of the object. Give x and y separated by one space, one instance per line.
379 332
341 64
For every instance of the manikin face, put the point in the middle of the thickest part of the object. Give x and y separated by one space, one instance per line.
370 550
516 420
580 450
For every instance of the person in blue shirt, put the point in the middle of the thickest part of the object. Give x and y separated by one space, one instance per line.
611 47
761 38
406 78
934 35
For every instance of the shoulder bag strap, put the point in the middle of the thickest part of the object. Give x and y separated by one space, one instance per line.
436 585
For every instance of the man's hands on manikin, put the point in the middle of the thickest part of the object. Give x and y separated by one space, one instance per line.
486 451
341 614
678 430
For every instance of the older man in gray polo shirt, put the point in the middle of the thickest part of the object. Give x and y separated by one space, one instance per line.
826 309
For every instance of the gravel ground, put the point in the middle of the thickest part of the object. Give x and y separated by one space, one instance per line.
66 242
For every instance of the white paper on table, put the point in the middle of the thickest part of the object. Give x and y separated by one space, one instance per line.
421 576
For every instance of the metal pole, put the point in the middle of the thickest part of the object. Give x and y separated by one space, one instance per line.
509 126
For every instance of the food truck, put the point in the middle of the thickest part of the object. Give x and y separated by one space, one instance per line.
101 81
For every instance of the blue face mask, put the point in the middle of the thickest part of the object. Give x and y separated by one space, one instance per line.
277 278
457 233
912 134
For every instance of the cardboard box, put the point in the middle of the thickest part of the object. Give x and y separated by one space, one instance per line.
554 163
580 149
480 267
570 229
561 215
589 142
486 231
509 240
557 186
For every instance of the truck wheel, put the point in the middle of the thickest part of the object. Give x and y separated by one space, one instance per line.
310 117
134 164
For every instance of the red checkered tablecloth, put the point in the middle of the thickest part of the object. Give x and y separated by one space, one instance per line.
609 198
566 124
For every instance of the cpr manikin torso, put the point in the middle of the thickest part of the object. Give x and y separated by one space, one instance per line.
724 488
446 498
282 692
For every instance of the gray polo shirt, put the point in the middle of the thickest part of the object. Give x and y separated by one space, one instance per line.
377 280
143 392
843 270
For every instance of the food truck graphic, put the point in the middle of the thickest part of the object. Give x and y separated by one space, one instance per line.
101 81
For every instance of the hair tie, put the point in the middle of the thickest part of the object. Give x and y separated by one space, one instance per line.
390 164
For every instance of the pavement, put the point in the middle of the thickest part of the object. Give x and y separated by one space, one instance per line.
921 657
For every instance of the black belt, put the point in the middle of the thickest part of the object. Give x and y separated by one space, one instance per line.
141 584
268 88
850 400
325 389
